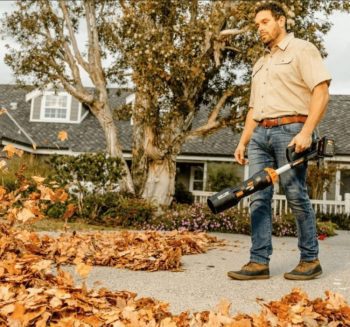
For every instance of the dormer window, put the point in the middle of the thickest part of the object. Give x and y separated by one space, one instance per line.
55 107
50 106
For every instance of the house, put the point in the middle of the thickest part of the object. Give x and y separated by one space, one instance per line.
34 118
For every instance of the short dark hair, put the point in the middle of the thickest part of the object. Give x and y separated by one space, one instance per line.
276 9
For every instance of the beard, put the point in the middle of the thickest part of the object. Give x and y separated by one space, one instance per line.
266 38
269 38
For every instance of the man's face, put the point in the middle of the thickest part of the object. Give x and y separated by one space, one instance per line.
269 29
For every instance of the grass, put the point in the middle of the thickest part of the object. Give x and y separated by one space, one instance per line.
57 225
34 166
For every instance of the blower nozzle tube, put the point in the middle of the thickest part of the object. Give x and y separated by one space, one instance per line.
223 200
229 197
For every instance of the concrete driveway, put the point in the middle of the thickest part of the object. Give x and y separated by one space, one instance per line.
204 282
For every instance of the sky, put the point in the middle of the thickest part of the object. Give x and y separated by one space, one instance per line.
337 43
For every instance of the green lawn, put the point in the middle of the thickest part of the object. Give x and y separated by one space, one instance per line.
49 224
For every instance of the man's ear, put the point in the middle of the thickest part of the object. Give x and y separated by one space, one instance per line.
282 22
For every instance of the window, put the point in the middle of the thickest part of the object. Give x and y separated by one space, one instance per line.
55 107
197 178
344 182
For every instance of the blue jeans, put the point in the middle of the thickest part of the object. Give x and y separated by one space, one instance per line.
267 148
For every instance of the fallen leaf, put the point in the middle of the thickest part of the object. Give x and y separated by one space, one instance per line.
83 269
55 302
18 312
224 307
5 293
3 165
10 150
25 215
62 136
38 179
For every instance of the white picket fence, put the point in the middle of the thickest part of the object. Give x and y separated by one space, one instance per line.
280 206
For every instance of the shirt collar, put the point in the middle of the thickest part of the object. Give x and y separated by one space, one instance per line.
282 44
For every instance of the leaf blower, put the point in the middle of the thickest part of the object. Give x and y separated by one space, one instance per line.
230 196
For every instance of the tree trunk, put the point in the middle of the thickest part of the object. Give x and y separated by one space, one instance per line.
154 154
160 183
113 146
144 138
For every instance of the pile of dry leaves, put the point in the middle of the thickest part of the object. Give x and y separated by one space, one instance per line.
32 295
126 249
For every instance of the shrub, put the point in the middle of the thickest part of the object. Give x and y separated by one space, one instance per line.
116 210
56 210
221 176
95 206
198 217
103 171
129 212
182 194
326 228
341 220
284 225
88 176
320 179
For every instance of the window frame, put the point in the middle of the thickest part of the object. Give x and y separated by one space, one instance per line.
193 180
42 104
44 107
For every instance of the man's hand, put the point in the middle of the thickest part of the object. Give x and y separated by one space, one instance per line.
239 154
302 142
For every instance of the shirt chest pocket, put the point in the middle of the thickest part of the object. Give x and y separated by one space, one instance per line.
283 67
284 61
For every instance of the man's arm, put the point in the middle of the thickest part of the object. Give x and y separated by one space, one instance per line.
318 106
249 126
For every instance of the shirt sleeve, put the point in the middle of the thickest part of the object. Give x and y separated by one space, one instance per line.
312 67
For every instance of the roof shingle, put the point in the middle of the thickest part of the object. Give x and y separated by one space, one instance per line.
88 136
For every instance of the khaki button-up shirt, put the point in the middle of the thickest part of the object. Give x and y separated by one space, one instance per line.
284 78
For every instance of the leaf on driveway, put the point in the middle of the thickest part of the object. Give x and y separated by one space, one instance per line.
31 295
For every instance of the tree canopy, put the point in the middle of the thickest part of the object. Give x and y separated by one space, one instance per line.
179 59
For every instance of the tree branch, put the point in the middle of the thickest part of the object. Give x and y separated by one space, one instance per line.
212 122
67 54
80 94
232 48
233 32
210 129
194 11
69 25
94 52
123 5
214 114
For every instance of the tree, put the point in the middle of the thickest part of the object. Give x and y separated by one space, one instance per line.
180 59
320 179
49 54
222 175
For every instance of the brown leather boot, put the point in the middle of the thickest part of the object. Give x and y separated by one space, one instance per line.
252 270
305 270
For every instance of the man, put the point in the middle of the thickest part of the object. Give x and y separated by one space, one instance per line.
289 96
